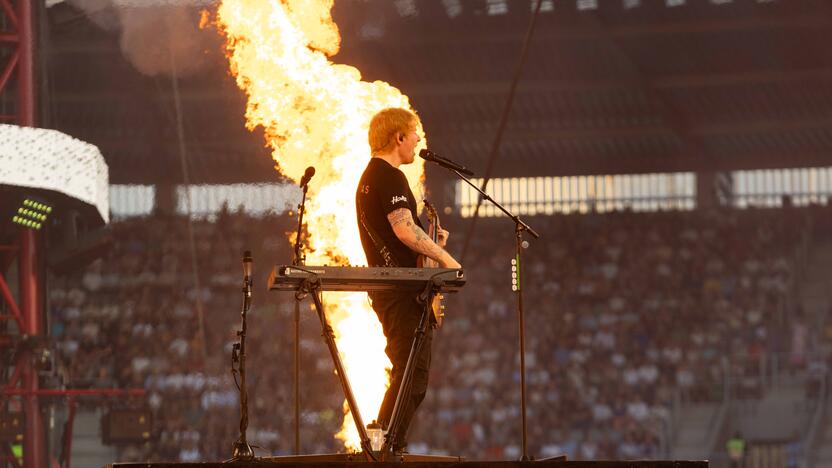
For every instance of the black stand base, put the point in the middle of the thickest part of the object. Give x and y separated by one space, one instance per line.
241 451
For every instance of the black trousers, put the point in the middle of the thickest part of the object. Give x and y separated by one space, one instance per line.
399 315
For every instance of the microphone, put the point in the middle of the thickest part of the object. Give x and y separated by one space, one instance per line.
304 181
247 265
428 155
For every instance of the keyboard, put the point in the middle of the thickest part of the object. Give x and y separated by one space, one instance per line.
335 278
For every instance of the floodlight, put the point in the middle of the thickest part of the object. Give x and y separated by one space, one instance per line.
32 214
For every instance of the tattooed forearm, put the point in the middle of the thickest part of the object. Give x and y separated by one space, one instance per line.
425 245
401 220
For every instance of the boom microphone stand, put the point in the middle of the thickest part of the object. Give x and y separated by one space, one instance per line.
516 275
298 260
241 449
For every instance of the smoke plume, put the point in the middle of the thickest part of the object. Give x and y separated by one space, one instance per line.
156 35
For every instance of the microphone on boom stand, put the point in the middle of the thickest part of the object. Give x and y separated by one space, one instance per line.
241 449
304 185
429 155
298 260
307 176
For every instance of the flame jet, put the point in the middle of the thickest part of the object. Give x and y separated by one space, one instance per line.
316 113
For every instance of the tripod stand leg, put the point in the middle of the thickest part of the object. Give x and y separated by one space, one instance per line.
329 337
407 381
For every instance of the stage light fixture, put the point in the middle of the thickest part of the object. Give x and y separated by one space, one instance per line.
32 214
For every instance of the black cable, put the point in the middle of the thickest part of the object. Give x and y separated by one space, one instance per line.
501 129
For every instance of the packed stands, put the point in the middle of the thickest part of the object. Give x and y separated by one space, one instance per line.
625 314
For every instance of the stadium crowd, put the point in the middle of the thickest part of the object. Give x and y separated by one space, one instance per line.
625 312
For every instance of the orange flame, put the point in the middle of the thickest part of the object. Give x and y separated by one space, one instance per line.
317 113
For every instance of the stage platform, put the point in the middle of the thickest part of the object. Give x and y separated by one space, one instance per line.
415 461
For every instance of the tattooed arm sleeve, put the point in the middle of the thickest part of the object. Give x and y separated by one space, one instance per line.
416 239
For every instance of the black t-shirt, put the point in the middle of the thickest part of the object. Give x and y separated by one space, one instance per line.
382 190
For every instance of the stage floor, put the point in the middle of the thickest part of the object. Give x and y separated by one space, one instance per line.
307 461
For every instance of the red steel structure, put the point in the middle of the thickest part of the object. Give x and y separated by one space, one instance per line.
18 79
17 82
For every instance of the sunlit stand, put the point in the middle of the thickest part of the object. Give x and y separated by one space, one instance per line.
516 276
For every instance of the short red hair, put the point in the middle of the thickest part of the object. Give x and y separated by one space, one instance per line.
387 125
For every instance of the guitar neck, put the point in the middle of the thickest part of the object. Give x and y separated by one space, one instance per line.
433 219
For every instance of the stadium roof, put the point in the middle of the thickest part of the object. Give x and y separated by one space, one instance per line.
609 87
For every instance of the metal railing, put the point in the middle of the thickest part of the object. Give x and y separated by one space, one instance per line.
814 426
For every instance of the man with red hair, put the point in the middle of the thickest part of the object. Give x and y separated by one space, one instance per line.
393 236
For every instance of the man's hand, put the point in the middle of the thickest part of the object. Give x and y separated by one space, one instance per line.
442 237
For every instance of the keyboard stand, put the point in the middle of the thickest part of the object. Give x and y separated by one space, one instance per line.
312 286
